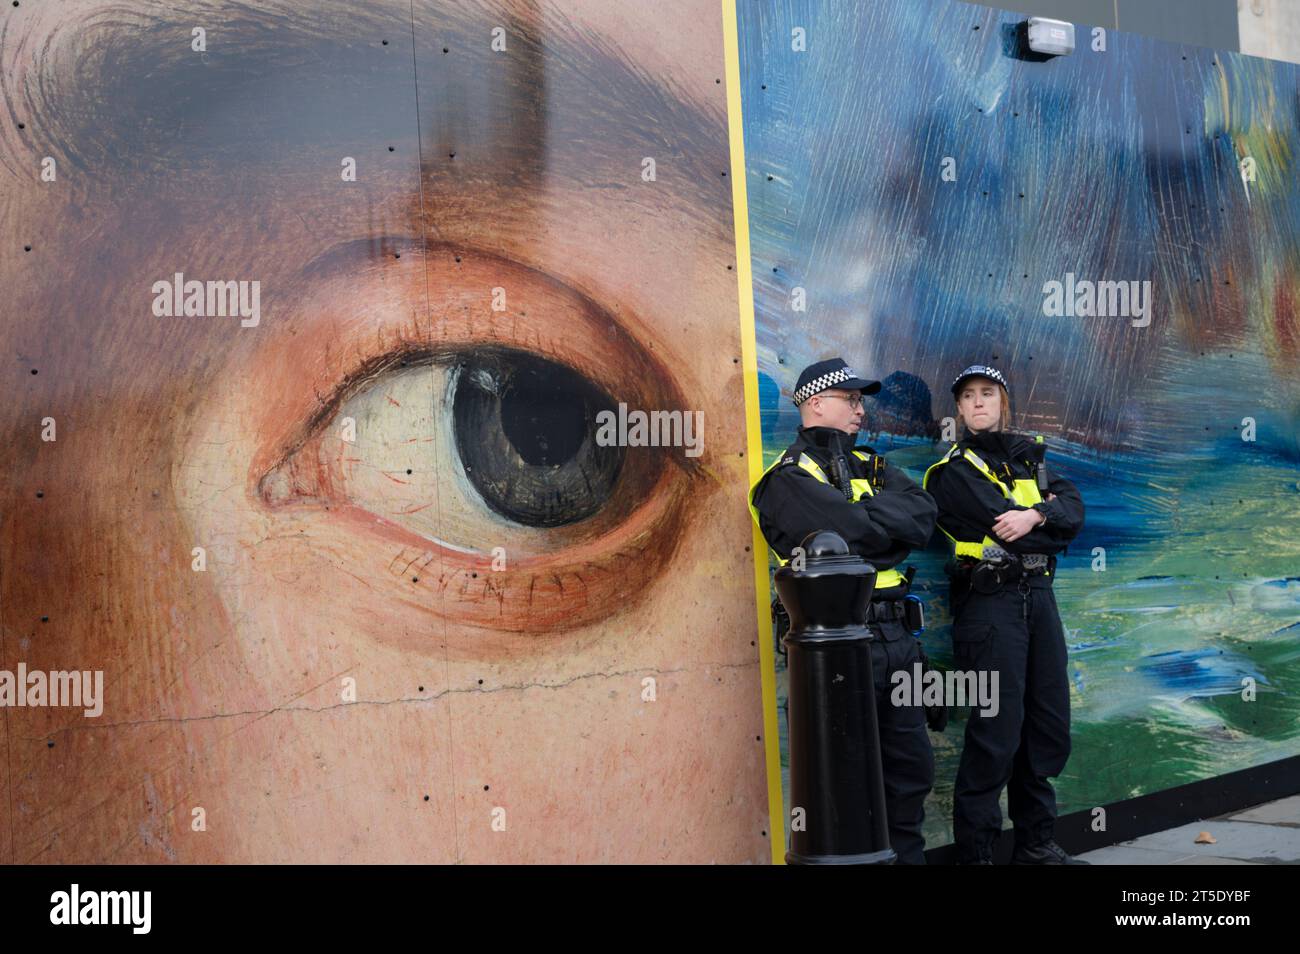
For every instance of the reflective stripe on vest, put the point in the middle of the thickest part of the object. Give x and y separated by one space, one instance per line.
885 579
1024 491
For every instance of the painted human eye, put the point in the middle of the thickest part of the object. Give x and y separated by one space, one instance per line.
466 436
474 448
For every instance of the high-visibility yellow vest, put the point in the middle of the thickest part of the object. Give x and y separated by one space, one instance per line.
861 486
1024 491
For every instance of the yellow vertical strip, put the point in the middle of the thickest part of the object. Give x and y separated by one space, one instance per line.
753 431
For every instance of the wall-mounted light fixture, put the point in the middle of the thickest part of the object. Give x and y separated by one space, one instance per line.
1051 37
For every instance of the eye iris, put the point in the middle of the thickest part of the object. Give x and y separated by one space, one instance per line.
525 429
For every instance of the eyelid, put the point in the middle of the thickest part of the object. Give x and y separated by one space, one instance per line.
367 305
361 309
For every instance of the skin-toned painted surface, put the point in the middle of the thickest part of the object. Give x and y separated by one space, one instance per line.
514 696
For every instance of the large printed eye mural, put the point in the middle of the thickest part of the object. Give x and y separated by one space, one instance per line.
362 575
472 432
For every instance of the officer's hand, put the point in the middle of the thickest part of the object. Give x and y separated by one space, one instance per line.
1014 524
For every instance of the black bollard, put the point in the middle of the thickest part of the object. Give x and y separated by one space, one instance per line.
835 770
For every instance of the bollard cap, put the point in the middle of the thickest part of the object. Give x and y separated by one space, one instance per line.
827 598
820 545
826 548
824 543
826 552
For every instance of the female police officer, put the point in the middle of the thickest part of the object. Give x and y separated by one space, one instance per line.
1007 517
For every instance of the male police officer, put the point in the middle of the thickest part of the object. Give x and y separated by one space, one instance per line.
882 517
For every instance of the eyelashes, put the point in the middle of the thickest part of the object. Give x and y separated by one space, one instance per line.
377 310
475 436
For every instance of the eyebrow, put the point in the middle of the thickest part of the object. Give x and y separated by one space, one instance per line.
563 102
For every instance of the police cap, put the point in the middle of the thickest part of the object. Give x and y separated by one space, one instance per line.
831 373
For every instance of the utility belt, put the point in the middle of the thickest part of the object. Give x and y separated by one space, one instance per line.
879 611
1001 567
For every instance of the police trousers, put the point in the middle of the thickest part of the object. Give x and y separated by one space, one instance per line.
1017 633
906 757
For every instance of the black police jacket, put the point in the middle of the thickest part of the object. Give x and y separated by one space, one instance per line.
882 529
969 503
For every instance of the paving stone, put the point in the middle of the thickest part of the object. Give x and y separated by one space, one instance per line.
1284 811
1213 860
1126 854
1247 841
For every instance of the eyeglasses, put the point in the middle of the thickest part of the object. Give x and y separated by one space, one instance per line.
855 400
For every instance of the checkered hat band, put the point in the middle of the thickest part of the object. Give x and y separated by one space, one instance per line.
982 371
821 383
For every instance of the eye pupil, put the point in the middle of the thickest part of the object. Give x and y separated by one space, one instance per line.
546 424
